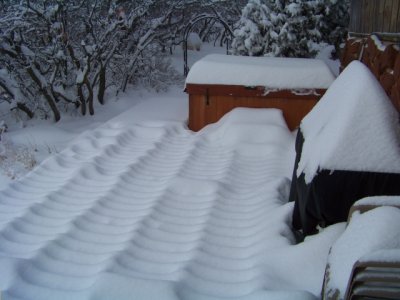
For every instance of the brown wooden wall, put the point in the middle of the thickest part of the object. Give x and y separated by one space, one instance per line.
368 16
384 64
208 103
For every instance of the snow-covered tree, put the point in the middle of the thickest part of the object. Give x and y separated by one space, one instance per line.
57 54
252 34
333 26
290 28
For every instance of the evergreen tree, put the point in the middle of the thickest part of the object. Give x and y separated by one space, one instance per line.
251 37
290 28
336 20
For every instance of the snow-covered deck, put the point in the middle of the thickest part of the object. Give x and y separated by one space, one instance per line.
150 209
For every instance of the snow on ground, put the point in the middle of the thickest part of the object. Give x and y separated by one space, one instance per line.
43 138
140 205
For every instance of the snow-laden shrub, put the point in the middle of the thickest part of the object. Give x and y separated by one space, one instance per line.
194 41
156 71
290 28
15 160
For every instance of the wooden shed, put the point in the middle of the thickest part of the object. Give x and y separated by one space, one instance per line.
218 83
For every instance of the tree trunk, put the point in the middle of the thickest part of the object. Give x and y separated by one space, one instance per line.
46 94
82 99
102 85
25 109
90 97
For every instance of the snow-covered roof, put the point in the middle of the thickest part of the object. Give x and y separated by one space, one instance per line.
270 72
353 127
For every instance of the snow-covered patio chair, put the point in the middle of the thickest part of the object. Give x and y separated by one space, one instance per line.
364 263
377 274
369 203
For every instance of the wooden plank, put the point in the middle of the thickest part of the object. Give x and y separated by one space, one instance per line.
381 11
360 9
355 10
395 16
363 25
387 14
370 16
373 16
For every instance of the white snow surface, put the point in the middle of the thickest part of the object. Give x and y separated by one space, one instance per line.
353 127
374 230
379 200
270 72
385 255
143 206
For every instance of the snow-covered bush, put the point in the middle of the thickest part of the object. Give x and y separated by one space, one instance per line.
193 41
158 73
291 28
66 53
14 160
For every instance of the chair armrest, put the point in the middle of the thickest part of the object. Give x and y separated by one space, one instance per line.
369 203
376 275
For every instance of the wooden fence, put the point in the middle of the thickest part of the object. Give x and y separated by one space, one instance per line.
369 16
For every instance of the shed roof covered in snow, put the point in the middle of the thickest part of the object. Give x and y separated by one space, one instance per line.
270 72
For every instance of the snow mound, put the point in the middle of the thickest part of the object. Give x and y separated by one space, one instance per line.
270 72
157 211
353 127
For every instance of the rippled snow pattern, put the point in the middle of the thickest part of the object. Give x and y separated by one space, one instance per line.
146 202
